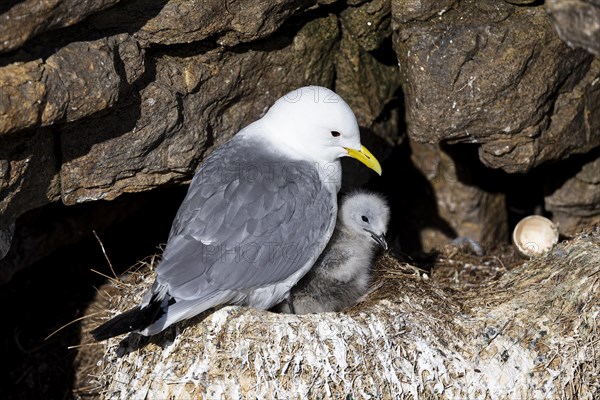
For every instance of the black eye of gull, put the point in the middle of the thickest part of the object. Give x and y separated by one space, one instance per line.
365 219
335 133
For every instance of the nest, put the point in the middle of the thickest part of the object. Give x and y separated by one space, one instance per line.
529 333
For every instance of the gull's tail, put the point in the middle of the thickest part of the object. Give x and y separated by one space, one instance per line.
135 319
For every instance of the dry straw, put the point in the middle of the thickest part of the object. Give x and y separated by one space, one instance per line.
531 333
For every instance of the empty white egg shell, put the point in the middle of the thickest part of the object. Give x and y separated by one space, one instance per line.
534 235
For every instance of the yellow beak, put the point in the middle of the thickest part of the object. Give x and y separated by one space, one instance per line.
364 156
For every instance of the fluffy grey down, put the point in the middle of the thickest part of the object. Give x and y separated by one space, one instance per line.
342 273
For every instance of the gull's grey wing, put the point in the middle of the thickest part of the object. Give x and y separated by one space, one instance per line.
250 219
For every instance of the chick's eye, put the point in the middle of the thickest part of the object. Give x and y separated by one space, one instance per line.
335 133
365 219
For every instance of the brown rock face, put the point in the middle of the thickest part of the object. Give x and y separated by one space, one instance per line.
361 78
497 75
22 20
28 177
199 98
80 79
473 212
178 22
577 22
574 197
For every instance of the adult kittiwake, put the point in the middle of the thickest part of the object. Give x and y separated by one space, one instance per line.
342 273
259 211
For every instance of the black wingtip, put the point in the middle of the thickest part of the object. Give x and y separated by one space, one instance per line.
132 320
122 323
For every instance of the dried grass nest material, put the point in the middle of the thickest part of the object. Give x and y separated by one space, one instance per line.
532 333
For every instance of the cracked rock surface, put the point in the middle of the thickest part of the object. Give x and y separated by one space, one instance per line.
498 76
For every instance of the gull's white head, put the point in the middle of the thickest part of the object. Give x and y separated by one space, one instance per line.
317 124
367 215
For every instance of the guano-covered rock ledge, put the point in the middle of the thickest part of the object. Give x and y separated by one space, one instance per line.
531 334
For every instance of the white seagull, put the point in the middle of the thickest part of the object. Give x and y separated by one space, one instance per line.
259 211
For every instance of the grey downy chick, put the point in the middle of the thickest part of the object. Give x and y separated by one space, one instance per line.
342 273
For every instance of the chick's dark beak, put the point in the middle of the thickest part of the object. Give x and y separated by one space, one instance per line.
380 239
